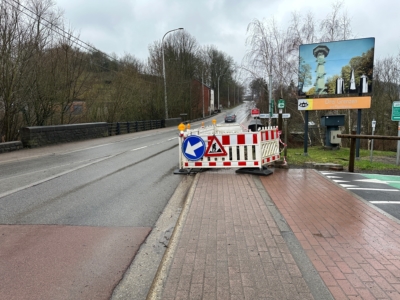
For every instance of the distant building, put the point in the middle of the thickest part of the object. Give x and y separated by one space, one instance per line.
198 90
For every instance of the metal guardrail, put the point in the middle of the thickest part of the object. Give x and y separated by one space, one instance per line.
134 126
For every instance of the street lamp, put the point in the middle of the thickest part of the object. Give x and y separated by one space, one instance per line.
165 81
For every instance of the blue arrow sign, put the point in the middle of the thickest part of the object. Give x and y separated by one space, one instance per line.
193 147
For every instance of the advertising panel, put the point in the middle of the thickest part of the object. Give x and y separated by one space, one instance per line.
336 69
334 103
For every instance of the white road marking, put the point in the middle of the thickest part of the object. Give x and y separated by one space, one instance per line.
348 185
370 180
385 202
370 189
54 176
138 148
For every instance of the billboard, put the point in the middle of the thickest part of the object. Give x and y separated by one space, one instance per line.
336 69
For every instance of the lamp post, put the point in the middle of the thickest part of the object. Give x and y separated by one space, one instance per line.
202 89
165 81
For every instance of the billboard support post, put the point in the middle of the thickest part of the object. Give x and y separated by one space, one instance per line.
358 132
305 132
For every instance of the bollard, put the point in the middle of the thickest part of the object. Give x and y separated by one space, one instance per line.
352 152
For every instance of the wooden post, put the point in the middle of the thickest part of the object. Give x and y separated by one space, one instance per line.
352 152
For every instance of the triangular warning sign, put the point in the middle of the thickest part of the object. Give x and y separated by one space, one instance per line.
215 148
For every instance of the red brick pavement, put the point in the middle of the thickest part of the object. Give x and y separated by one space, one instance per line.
354 247
230 246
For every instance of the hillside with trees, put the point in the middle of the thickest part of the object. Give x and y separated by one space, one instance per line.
48 76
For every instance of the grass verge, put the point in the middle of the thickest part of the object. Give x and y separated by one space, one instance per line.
381 160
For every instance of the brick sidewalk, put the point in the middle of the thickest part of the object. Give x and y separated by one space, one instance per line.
230 246
354 247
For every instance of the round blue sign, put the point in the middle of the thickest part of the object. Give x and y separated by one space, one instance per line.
193 147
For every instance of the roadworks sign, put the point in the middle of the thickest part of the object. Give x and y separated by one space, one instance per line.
215 148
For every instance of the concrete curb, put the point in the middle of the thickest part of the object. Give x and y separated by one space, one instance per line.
156 288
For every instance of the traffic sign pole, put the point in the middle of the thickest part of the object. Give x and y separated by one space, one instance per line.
372 140
396 117
398 145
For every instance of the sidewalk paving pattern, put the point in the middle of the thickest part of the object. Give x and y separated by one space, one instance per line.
354 246
231 247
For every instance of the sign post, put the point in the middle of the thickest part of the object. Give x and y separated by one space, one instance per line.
398 145
281 106
372 141
396 117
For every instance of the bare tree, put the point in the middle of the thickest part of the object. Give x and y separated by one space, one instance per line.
16 40
336 26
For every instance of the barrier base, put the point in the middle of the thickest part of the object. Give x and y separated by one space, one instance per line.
182 171
255 171
187 171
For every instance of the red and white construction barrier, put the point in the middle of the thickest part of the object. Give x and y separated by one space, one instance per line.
229 150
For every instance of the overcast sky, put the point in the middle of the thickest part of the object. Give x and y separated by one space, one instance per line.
130 26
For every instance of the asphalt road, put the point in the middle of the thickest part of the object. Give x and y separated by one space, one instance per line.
73 216
383 191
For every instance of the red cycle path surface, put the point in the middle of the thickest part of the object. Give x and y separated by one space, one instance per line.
65 262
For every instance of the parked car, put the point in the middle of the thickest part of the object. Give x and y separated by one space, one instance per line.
230 118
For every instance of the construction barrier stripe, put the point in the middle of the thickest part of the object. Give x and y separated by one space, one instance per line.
269 135
238 139
221 164
270 159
